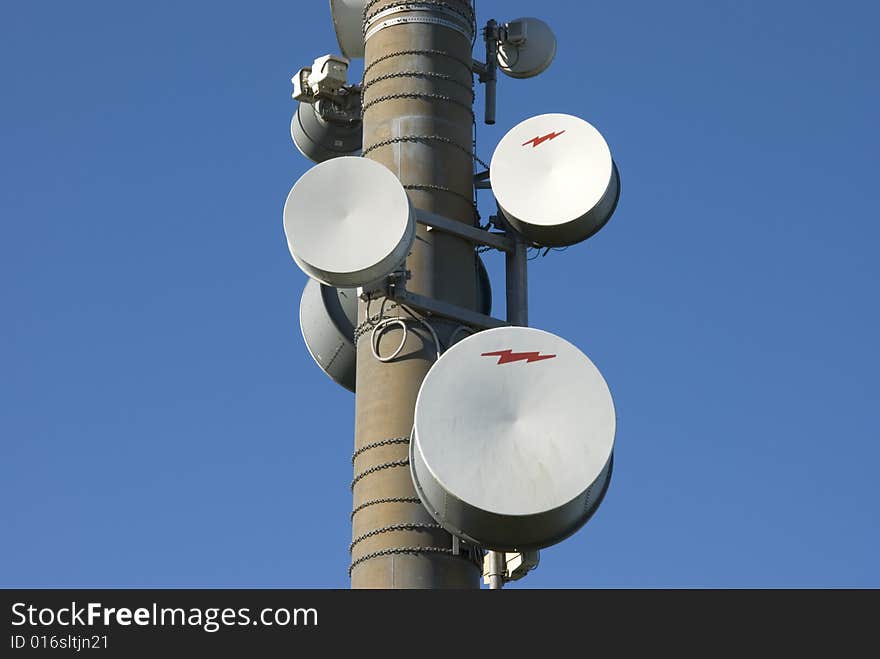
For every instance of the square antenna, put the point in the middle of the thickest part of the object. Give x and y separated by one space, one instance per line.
517 32
329 75
301 90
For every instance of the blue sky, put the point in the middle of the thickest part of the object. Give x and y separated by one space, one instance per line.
162 424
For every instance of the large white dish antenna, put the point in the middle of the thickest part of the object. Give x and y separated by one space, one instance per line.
554 179
348 20
529 49
513 439
348 222
327 318
320 140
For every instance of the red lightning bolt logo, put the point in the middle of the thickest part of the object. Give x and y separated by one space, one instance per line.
538 141
508 356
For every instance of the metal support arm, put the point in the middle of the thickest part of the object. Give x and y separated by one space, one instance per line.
474 235
443 309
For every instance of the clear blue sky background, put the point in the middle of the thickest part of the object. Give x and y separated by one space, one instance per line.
162 424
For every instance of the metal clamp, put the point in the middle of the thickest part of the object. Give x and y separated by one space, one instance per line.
403 20
435 15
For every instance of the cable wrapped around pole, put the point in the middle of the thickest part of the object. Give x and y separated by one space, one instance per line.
418 122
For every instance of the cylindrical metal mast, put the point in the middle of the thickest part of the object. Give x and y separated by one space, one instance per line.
418 122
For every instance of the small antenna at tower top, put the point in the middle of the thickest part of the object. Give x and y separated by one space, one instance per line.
526 48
